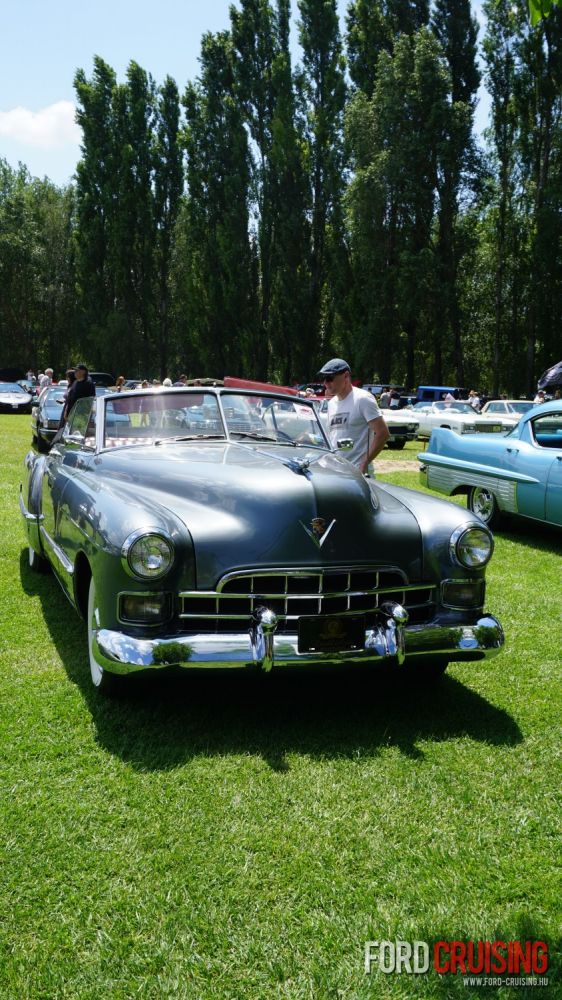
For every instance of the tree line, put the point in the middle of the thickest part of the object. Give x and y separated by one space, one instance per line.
278 213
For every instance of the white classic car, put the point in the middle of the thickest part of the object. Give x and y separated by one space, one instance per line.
456 416
509 411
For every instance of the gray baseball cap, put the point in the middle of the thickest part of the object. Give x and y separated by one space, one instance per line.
335 367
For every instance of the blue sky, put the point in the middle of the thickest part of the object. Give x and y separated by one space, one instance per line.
43 44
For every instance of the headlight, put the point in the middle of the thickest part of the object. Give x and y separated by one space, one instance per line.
147 555
471 547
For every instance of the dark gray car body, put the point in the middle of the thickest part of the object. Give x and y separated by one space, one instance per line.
283 554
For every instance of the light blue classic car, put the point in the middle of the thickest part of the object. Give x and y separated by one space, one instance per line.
515 473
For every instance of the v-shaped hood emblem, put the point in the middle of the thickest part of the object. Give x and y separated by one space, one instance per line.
319 530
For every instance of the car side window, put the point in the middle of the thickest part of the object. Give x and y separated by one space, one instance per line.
547 430
82 423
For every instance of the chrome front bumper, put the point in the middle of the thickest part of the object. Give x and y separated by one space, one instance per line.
263 649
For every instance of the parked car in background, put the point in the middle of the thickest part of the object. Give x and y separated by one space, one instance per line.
403 426
14 398
30 385
102 378
517 473
456 416
509 411
259 548
46 415
435 393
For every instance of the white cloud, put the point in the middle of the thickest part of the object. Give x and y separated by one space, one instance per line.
49 128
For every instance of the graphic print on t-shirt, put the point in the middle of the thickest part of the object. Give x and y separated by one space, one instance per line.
339 420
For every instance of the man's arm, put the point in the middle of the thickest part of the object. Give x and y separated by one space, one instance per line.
378 436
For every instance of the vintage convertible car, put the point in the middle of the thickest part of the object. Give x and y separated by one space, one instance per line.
517 473
190 537
456 415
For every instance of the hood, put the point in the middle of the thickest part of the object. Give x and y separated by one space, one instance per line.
248 506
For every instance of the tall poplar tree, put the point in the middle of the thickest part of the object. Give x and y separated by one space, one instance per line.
96 192
324 90
499 48
538 103
219 293
457 31
168 191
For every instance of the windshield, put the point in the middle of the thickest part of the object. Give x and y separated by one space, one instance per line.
55 395
287 421
522 407
159 417
454 407
11 387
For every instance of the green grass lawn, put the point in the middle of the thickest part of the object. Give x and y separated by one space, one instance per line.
212 839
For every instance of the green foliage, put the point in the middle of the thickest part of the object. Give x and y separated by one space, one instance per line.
539 9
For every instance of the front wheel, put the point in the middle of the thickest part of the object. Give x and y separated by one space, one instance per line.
101 679
483 503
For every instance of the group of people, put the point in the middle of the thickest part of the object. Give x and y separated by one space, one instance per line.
78 385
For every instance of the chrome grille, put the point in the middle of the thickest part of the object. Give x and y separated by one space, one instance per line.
295 593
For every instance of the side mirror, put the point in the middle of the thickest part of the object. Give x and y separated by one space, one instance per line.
345 444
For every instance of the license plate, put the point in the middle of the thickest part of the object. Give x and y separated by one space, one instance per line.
331 634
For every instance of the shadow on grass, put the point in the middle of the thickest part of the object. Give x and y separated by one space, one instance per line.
160 721
532 534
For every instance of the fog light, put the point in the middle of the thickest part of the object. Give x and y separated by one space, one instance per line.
462 593
144 609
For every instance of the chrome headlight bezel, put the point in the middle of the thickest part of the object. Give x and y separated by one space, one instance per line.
466 551
158 548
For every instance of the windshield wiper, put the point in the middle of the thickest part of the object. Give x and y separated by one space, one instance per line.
190 437
262 437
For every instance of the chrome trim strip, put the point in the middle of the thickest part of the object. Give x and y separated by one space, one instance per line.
219 595
26 514
57 552
299 571
123 654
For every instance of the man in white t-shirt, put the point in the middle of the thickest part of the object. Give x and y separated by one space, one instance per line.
353 413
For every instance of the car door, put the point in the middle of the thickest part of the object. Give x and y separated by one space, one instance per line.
72 449
539 462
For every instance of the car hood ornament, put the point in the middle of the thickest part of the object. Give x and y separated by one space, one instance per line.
319 530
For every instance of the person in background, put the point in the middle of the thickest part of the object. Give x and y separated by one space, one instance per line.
167 382
353 413
80 388
384 400
120 383
70 376
46 379
540 397
474 400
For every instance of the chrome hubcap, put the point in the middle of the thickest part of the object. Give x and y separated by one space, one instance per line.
483 504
